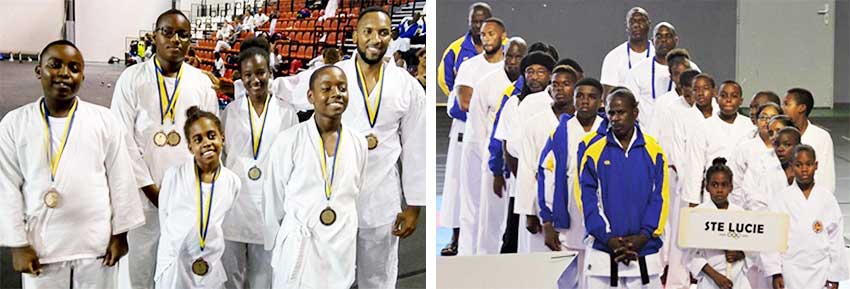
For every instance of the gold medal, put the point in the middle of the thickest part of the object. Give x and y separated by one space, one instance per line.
372 141
159 139
51 198
328 216
173 138
200 267
817 227
254 173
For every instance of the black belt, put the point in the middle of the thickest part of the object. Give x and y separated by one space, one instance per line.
460 137
644 274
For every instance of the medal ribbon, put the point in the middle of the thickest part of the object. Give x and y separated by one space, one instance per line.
257 138
329 181
361 82
54 162
629 51
166 102
204 223
669 83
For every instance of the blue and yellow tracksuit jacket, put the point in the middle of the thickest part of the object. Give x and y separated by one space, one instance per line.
623 193
459 51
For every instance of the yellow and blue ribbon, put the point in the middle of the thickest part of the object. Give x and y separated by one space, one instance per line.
329 180
361 82
166 102
256 138
54 162
204 223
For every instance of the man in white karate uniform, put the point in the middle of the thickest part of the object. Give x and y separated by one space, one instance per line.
471 173
815 257
621 59
317 171
537 71
798 104
487 97
68 191
457 53
650 79
151 100
391 115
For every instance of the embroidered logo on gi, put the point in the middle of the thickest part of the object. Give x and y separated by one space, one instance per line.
607 162
817 227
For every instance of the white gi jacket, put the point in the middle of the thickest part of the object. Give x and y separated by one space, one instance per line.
735 272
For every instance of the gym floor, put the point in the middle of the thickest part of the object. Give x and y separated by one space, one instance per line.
18 86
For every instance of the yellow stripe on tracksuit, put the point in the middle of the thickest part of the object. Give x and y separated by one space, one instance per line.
654 151
441 69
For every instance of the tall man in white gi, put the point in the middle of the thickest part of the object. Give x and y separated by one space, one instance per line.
493 32
621 59
458 52
486 100
391 115
151 100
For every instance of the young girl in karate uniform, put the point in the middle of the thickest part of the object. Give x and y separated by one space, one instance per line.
193 201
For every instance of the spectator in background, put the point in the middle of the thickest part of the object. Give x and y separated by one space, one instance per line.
420 69
219 65
225 31
397 44
193 59
413 28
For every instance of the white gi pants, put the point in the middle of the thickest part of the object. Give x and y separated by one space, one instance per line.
528 242
143 242
247 266
377 258
450 207
492 217
82 273
470 190
678 276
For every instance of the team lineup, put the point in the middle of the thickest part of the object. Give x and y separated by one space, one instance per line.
542 158
198 197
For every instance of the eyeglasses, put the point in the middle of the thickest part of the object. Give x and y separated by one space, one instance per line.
168 33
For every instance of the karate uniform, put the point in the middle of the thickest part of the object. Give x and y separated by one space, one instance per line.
458 52
821 141
699 258
179 243
618 62
400 130
815 251
247 264
510 130
307 253
491 219
472 72
745 157
97 193
648 81
136 102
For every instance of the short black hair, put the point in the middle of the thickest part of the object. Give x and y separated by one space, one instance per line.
254 46
793 131
497 21
803 148
705 76
317 71
589 81
572 63
784 119
194 114
565 69
170 12
480 6
732 82
372 10
803 96
624 93
771 96
55 43
686 78
765 105
545 48
677 55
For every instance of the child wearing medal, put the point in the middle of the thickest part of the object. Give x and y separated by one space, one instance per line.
195 197
310 197
66 182
251 124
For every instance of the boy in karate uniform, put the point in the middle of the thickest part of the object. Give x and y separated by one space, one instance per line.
196 196
815 257
310 197
150 100
67 183
251 124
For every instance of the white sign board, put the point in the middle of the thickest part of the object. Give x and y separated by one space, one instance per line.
733 230
529 270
